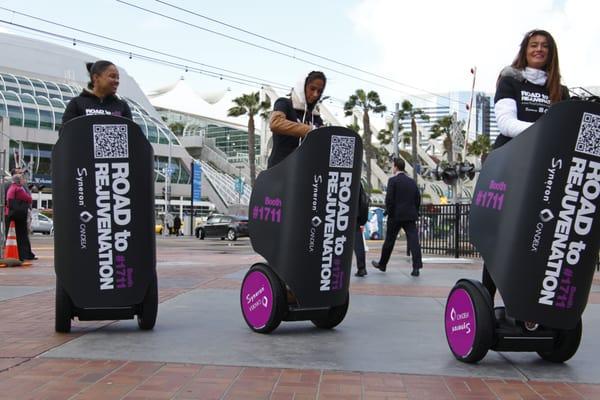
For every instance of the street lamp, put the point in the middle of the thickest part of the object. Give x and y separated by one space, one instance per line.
167 185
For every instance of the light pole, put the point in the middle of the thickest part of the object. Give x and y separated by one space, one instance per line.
167 186
240 184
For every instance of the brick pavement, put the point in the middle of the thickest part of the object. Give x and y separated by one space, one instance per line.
27 331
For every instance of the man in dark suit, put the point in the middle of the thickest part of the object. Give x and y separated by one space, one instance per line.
402 202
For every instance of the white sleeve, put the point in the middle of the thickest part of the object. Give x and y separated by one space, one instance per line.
506 118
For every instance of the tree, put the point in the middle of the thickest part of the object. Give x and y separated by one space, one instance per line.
177 128
407 111
251 105
385 136
366 102
480 147
443 127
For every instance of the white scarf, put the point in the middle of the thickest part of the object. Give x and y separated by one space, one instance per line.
535 76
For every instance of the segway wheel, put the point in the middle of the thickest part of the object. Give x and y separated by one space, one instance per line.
469 321
262 299
63 311
148 309
335 316
565 345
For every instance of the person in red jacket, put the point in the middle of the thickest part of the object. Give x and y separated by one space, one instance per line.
18 201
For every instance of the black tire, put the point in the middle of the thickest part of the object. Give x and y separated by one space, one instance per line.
63 311
565 345
148 309
201 234
231 235
484 321
335 316
278 302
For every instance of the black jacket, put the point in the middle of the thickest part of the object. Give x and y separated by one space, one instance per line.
403 199
284 145
87 103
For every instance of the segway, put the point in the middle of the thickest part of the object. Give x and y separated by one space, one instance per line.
104 242
534 220
302 220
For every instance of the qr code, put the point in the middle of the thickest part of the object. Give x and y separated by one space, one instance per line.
341 153
111 141
588 140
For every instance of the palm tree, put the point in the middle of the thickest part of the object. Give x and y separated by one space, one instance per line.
409 112
385 136
250 104
481 146
443 127
365 102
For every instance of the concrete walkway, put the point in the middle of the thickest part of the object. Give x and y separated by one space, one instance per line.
391 344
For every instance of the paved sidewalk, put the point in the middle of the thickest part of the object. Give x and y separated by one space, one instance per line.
391 345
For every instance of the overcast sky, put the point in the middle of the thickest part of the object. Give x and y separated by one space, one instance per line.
428 45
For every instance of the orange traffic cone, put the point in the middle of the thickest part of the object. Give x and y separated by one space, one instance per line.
10 250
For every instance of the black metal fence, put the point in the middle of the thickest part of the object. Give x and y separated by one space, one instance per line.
444 230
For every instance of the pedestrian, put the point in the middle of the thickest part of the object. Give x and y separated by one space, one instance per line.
169 223
18 201
293 118
524 92
27 254
359 244
100 95
176 225
374 226
402 202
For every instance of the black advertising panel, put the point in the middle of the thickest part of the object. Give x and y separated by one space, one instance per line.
534 215
302 215
103 198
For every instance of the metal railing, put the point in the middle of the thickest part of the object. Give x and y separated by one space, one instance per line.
225 186
444 230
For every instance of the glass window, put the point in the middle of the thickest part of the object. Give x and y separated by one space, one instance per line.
65 90
25 85
59 108
32 119
3 110
46 119
15 110
53 90
152 132
39 88
159 165
10 82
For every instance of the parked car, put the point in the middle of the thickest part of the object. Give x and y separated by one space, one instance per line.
42 224
223 226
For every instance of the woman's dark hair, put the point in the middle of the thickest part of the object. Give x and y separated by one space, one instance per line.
96 68
551 67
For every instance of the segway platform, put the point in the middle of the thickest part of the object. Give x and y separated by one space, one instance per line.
534 219
302 220
104 242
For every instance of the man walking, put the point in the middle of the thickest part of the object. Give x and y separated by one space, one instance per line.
402 202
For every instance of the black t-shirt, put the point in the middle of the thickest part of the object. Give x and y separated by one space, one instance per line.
88 104
284 145
532 100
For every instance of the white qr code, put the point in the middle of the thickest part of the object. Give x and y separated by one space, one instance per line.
111 141
341 153
588 140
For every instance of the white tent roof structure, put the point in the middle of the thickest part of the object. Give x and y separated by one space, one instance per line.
181 97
